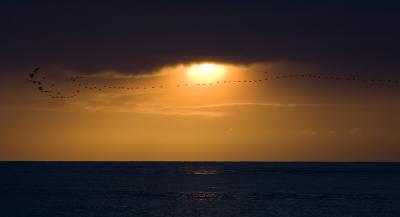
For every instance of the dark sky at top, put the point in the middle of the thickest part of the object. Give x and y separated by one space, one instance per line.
362 36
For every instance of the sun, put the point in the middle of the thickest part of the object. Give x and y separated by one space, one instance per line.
205 72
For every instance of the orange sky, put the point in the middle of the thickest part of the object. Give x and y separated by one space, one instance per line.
274 120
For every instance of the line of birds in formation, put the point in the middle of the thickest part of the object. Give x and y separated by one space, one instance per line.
40 82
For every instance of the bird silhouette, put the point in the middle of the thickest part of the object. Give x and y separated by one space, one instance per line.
40 84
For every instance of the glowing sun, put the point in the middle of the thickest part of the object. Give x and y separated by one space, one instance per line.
205 72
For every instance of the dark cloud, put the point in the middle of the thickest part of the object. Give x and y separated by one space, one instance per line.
132 37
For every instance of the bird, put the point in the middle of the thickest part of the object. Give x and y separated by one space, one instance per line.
42 82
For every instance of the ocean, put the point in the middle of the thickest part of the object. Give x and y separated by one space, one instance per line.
185 189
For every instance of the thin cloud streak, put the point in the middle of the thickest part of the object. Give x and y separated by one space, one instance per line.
195 110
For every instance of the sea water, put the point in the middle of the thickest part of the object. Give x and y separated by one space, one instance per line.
114 189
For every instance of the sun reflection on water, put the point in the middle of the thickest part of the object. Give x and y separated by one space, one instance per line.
202 196
203 172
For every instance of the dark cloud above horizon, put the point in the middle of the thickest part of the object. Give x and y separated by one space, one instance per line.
134 37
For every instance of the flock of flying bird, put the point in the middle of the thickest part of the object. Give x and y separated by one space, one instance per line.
45 86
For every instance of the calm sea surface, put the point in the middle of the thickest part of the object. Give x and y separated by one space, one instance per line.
199 189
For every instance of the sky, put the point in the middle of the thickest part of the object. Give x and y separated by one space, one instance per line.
170 81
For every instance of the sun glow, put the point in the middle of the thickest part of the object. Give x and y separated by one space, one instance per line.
205 72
